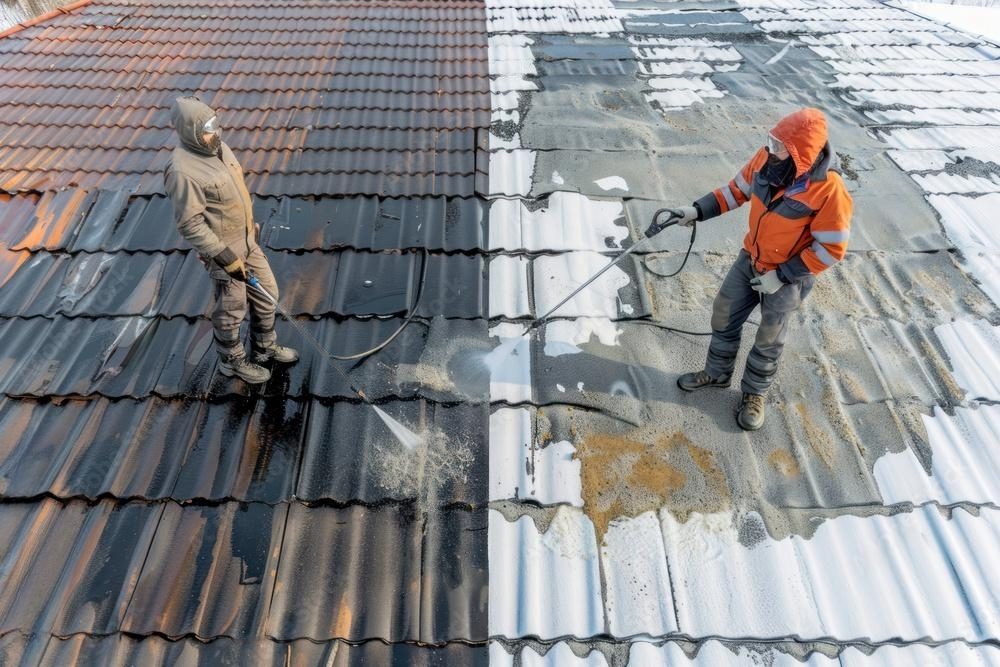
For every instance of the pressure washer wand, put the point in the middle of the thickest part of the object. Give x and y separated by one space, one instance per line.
254 282
653 229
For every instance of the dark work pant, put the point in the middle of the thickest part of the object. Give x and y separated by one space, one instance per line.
231 300
733 305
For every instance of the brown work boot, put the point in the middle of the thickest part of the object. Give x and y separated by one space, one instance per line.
244 369
751 414
700 380
279 353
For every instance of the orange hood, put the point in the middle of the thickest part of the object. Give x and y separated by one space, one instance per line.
804 135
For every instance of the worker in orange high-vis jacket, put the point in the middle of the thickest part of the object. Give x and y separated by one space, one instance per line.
800 222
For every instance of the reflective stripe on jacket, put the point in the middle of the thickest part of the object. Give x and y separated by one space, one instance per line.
803 229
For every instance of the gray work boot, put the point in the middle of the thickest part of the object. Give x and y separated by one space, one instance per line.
244 369
751 414
279 353
700 380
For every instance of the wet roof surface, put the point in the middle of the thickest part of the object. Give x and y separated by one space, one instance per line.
568 506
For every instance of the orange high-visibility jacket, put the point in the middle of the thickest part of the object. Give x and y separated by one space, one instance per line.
803 229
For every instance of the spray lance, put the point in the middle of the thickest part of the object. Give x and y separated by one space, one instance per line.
254 282
406 436
672 218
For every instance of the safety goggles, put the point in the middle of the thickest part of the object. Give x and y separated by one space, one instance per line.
775 147
212 126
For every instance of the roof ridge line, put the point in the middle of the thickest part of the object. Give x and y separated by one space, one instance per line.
18 27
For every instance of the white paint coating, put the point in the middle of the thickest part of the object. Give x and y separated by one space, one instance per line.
566 16
522 468
509 286
973 348
983 267
612 183
548 585
983 21
566 336
509 364
713 653
849 580
544 585
965 457
567 221
557 656
638 597
969 221
555 278
511 172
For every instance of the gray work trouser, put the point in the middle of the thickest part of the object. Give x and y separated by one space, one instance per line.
733 305
231 298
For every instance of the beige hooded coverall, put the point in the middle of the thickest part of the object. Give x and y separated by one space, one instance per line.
213 210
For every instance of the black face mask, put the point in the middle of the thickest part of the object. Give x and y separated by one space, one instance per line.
779 173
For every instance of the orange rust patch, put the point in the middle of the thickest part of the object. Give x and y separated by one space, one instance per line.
625 477
783 463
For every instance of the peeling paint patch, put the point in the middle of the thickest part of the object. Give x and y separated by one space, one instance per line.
567 336
612 183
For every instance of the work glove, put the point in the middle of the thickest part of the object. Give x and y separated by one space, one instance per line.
231 264
684 216
767 283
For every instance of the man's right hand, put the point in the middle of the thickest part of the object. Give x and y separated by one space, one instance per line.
231 264
684 216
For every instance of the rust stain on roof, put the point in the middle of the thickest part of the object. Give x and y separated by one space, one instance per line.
623 476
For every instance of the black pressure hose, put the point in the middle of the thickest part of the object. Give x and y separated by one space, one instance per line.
687 254
412 312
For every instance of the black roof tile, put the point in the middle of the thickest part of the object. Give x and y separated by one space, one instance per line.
109 221
305 58
175 357
330 558
267 450
344 283
84 588
155 512
227 552
122 650
351 573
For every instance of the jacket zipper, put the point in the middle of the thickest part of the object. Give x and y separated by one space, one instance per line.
767 209
246 229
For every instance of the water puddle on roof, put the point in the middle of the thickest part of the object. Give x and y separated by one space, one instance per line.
622 476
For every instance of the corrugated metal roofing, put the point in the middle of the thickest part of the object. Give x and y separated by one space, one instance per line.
174 357
344 283
268 450
159 652
311 74
154 512
76 220
283 571
605 521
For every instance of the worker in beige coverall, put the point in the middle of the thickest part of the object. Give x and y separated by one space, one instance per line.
213 211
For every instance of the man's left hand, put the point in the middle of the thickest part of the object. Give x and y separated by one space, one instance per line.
768 283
